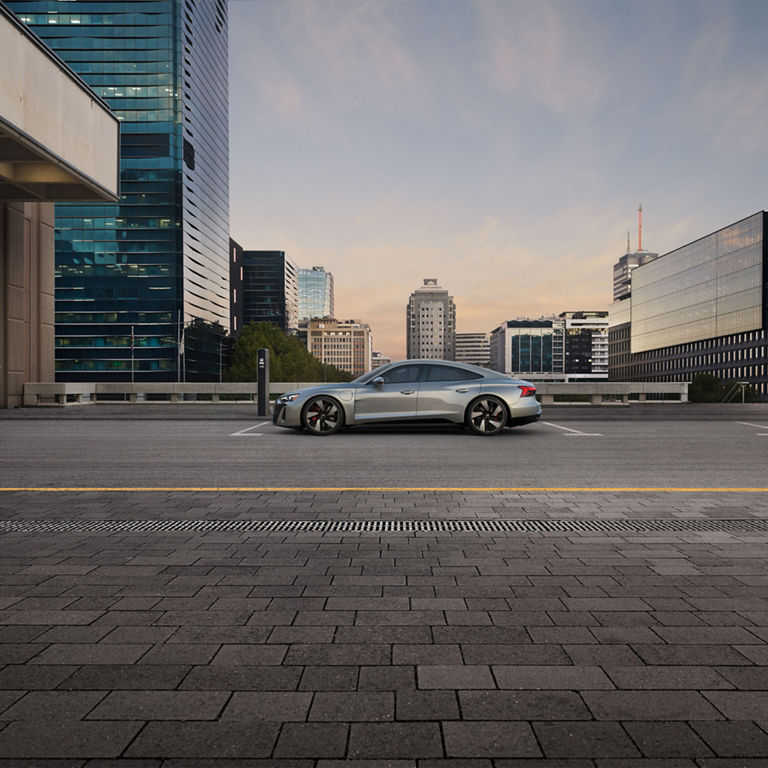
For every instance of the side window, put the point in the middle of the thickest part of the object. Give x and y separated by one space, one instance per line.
403 374
449 373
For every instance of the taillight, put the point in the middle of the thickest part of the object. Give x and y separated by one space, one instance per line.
527 391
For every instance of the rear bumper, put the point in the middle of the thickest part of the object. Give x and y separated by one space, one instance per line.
520 420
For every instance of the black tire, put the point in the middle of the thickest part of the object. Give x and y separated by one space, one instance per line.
487 416
322 416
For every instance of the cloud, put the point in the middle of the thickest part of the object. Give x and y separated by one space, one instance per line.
533 52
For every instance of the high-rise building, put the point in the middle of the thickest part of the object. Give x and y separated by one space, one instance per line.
622 269
698 309
316 297
147 266
523 347
473 348
584 337
270 290
431 323
345 344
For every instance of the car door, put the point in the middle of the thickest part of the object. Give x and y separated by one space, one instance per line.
445 392
395 398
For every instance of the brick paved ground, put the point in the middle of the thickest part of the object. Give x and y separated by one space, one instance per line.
308 649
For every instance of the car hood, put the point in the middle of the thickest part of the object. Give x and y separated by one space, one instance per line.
338 388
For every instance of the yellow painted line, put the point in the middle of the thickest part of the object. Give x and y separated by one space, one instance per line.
365 489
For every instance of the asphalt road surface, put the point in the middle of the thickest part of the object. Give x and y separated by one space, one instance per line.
612 449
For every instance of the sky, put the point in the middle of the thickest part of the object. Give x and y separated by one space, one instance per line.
502 147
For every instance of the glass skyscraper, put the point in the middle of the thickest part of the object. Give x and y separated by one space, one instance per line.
131 276
315 293
270 290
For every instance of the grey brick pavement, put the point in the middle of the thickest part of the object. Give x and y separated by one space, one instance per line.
407 650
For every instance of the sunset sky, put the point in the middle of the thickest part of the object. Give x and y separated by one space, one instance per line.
501 147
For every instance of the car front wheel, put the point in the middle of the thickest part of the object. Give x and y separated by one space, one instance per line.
487 416
322 416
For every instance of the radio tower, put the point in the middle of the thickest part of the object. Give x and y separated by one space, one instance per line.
640 227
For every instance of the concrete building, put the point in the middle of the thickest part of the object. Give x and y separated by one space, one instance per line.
345 344
132 275
698 309
378 360
316 296
58 141
270 290
583 336
431 323
473 348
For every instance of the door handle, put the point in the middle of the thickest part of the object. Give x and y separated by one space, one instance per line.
463 389
407 391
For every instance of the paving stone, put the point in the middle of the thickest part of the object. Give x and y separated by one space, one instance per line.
648 705
656 739
694 655
387 678
738 705
341 706
329 678
426 705
394 740
736 738
277 706
602 655
593 740
745 678
123 677
82 653
160 705
27 677
490 739
197 740
54 705
315 740
452 676
514 654
555 677
249 655
666 678
178 653
240 678
522 705
66 738
341 653
51 617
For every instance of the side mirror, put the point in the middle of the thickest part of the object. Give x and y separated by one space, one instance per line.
377 382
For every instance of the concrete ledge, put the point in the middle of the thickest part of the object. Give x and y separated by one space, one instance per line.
60 393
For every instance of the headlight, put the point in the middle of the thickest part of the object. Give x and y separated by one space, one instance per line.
287 398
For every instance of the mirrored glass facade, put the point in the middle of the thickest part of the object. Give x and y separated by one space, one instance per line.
709 288
270 290
316 297
159 258
522 346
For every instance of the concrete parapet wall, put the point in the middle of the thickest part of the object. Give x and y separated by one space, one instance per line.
60 393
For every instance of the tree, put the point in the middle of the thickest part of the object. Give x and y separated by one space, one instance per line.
289 359
706 388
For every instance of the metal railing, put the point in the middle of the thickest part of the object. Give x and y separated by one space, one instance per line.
550 393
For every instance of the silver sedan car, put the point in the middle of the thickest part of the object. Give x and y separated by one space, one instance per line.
416 391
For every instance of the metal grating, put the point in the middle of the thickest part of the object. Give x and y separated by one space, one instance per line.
749 525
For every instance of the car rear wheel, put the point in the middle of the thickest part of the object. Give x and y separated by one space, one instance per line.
487 416
322 416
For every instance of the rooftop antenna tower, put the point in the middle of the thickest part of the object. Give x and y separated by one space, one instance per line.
627 242
640 227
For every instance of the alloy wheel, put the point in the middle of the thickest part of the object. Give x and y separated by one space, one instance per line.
322 416
487 416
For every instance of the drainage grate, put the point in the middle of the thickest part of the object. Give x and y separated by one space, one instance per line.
388 526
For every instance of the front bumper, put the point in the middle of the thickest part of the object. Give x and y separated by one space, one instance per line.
286 415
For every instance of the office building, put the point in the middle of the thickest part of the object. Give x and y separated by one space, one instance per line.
431 323
523 347
473 348
583 337
146 267
622 269
315 293
345 344
270 290
698 309
378 360
58 141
